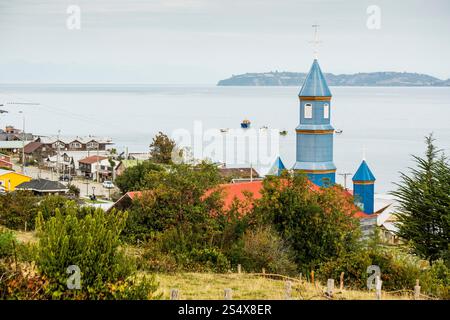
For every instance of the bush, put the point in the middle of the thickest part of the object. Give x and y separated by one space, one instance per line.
17 209
91 243
264 248
6 243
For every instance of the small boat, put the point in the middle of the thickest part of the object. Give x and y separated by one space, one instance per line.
245 124
338 131
264 128
283 132
224 129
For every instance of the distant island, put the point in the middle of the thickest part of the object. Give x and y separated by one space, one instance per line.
370 79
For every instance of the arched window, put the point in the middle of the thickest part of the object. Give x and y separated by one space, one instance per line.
308 111
326 110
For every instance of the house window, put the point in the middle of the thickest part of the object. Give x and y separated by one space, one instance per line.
92 145
75 145
308 111
326 110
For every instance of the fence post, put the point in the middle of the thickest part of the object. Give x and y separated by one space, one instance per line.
263 271
300 277
330 288
288 290
417 290
378 284
239 268
173 294
25 226
228 294
312 276
341 282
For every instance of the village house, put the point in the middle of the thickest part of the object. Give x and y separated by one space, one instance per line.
43 187
12 134
95 167
125 164
62 163
75 143
5 161
9 179
37 152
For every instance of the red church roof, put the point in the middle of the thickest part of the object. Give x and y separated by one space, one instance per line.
231 191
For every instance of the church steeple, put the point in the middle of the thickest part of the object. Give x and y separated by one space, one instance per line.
315 84
315 133
364 188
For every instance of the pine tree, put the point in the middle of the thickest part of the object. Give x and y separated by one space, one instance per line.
424 210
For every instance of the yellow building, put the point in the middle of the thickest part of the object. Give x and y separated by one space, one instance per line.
9 180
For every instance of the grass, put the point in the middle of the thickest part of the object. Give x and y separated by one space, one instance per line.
210 286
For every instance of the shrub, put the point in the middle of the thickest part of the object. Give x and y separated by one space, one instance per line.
6 243
91 243
17 209
264 248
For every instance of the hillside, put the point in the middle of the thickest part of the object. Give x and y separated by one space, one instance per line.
385 79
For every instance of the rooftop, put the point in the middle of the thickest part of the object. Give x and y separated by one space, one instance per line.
92 159
42 185
315 84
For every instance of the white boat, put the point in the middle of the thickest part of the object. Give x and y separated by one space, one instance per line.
224 129
338 131
264 128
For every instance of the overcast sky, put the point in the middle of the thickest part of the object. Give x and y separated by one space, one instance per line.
203 41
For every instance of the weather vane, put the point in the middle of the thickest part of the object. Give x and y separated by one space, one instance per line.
316 40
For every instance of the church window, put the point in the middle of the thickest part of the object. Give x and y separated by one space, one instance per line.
326 110
308 111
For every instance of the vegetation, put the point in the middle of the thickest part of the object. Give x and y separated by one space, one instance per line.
298 214
92 245
424 197
134 178
161 148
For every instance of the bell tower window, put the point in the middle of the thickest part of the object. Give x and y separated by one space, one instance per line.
326 111
308 111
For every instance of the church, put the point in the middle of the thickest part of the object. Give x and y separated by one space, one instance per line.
314 141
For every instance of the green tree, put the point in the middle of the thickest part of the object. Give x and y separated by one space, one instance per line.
317 225
175 198
424 198
17 209
134 178
161 148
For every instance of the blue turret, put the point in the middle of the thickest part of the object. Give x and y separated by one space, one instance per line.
277 168
364 188
315 133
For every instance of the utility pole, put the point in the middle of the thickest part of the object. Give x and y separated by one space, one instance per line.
57 155
23 141
345 174
98 162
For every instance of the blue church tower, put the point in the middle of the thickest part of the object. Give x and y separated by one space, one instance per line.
364 188
315 133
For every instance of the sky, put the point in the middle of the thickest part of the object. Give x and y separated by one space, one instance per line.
203 41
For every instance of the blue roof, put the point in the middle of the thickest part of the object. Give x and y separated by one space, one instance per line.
363 173
277 167
315 84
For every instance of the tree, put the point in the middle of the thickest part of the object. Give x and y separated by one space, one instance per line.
318 225
161 148
424 198
134 178
174 199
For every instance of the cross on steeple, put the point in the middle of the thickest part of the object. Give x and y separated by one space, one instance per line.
316 40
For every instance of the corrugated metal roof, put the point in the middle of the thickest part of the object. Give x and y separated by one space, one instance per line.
315 84
12 144
363 173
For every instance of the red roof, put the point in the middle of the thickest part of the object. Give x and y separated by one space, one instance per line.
92 159
232 191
